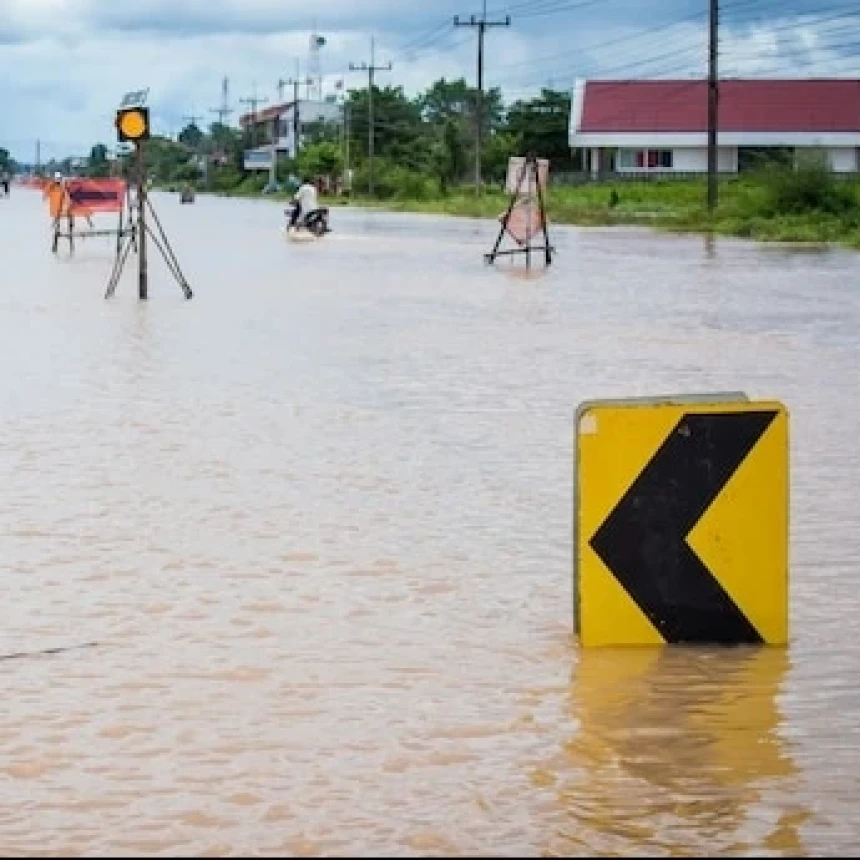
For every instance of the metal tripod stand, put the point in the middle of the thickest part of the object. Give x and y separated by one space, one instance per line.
135 237
529 174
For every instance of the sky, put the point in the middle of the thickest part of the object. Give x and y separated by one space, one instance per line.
65 64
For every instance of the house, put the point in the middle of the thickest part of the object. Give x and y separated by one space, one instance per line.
661 126
278 120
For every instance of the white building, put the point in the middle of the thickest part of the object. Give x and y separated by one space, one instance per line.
280 121
647 127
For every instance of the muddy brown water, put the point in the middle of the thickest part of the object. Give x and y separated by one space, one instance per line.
318 522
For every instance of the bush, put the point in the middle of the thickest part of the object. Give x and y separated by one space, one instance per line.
224 178
393 182
809 188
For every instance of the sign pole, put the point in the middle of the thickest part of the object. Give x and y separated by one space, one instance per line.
143 268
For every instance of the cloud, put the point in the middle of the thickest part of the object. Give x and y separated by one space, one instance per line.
65 64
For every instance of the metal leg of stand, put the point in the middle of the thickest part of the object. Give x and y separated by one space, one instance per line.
167 252
160 241
494 253
547 246
118 265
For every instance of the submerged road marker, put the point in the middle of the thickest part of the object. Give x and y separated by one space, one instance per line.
681 521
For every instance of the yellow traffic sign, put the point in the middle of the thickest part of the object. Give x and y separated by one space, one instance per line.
132 124
681 521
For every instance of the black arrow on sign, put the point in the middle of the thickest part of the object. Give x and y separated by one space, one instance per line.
643 541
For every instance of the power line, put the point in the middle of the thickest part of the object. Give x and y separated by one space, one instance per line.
659 30
370 69
481 23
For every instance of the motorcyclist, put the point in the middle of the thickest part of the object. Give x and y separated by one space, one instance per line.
305 200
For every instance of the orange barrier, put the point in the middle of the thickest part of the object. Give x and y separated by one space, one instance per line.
73 199
84 197
58 199
89 196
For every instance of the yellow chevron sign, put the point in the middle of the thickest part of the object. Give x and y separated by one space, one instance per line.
681 521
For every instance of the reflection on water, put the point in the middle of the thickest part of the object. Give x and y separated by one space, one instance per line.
677 753
317 521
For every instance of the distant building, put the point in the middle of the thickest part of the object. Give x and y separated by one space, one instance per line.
652 127
278 120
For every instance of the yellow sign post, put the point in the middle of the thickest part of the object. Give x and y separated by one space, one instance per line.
681 521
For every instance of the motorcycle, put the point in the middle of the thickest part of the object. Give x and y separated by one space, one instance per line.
314 222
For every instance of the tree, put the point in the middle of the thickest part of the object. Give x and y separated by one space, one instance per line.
449 155
321 159
541 126
98 164
316 132
446 99
399 133
497 150
191 136
7 165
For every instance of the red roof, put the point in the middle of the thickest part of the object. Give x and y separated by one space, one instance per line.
831 105
266 114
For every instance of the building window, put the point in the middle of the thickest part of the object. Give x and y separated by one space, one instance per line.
626 159
659 158
645 159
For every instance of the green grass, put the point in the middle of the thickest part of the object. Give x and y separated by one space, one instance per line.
802 207
805 206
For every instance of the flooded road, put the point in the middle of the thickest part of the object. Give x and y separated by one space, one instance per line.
318 523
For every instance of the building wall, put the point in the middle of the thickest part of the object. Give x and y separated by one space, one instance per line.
678 159
695 159
843 159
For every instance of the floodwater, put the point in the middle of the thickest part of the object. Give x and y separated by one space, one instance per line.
314 527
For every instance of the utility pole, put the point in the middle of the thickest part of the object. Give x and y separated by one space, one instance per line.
346 135
713 103
38 166
295 82
225 110
370 69
253 101
481 23
222 113
191 120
